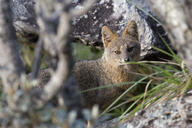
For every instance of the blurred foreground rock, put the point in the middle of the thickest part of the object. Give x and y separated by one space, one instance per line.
175 113
87 28
176 18
22 104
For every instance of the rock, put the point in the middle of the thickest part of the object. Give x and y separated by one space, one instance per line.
24 20
116 14
175 113
87 28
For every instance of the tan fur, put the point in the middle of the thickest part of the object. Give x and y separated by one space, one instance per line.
111 68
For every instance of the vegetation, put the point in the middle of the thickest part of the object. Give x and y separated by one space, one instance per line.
157 81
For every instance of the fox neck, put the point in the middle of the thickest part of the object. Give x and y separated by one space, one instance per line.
118 73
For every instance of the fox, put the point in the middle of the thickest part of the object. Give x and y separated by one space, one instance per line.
111 68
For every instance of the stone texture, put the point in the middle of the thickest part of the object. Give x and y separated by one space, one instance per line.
87 28
175 113
116 15
24 19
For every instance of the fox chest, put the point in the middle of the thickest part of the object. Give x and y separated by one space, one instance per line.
115 76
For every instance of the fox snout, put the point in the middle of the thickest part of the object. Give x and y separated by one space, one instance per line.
124 56
124 60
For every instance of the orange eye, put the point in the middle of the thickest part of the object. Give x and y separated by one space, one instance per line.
117 52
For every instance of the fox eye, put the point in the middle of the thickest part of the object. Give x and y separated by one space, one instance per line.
117 52
130 49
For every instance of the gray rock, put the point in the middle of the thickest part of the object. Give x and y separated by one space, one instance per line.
87 28
175 113
24 19
116 14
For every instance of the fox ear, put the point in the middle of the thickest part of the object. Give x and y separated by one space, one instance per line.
131 30
107 36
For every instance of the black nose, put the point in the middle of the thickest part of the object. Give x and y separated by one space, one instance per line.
126 60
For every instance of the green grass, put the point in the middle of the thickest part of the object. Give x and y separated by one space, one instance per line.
163 81
167 81
157 81
160 81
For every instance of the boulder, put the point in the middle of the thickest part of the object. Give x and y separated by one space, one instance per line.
175 113
87 28
116 14
24 20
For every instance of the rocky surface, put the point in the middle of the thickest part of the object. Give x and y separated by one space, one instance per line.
116 15
24 20
87 28
175 113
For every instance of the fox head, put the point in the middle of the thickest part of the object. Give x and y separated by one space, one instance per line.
121 49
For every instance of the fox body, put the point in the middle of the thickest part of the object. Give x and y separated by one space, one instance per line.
111 68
